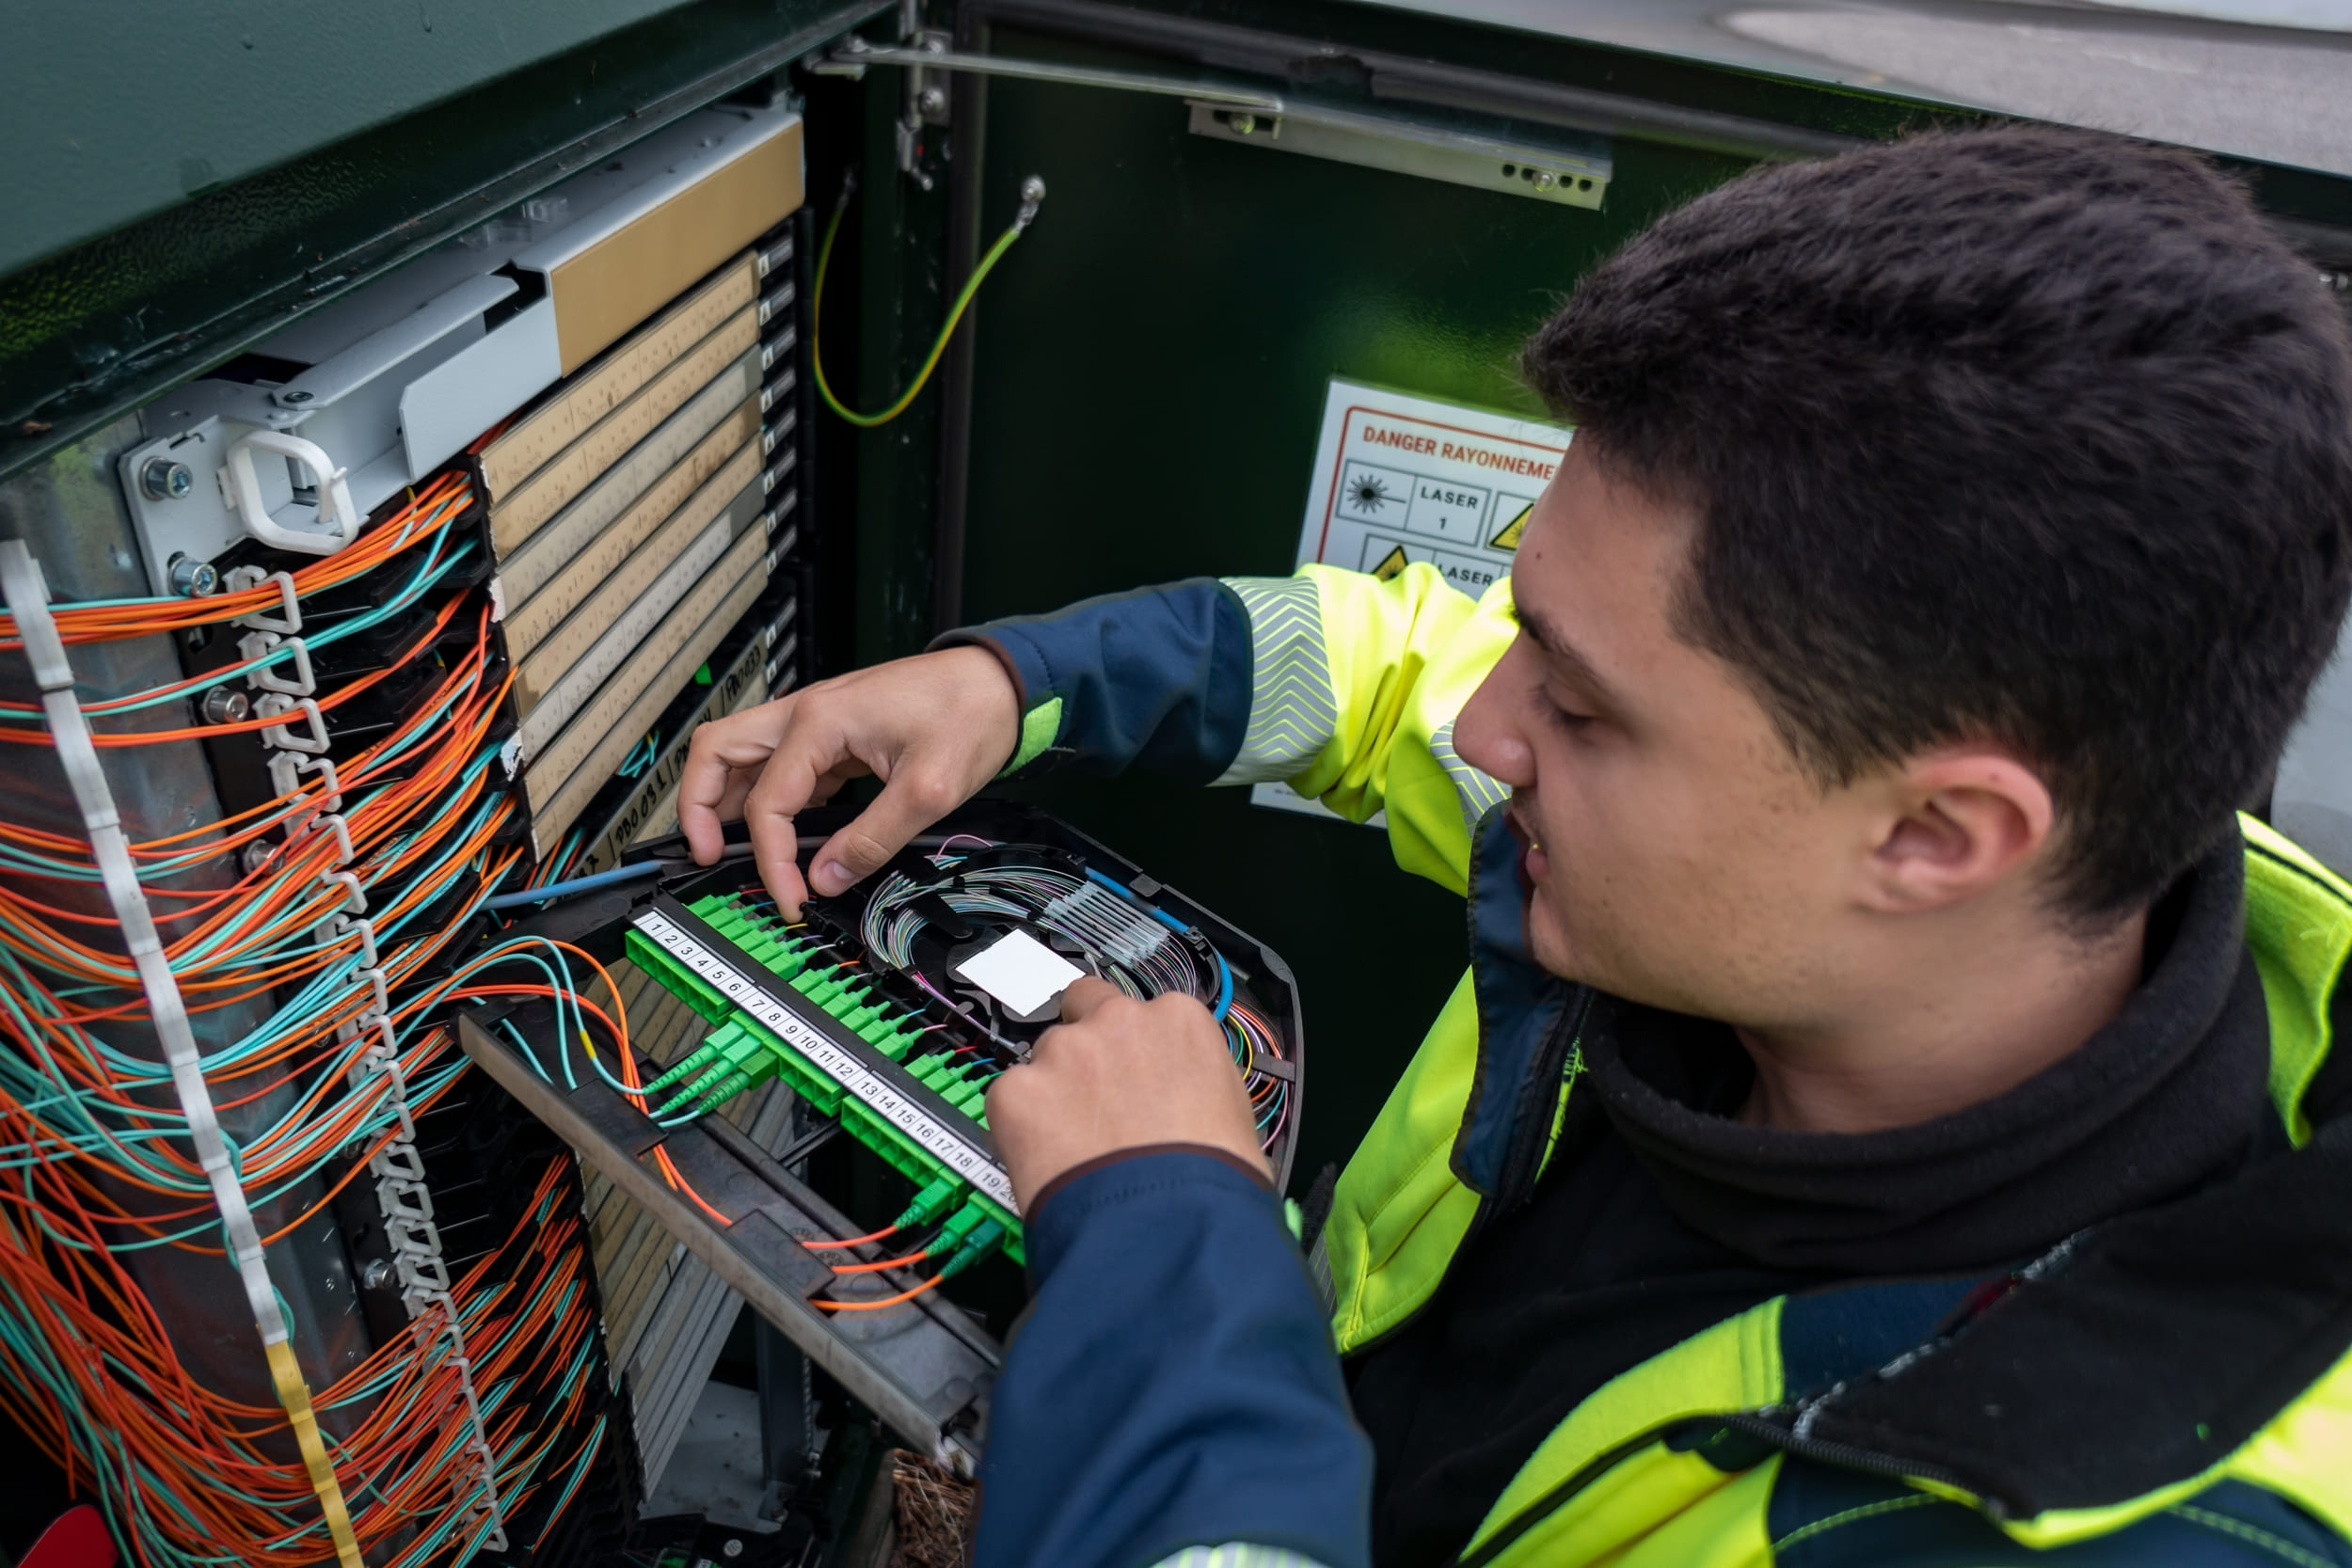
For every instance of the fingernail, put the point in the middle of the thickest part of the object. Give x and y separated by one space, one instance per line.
832 876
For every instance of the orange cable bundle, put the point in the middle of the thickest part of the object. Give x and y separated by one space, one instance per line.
96 1143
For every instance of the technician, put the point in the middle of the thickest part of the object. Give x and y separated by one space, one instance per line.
1890 1116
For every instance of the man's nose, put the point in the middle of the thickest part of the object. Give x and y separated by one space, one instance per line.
1485 736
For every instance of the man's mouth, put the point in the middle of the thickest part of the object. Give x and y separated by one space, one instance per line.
1533 863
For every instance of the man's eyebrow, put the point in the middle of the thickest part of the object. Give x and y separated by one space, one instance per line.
1564 654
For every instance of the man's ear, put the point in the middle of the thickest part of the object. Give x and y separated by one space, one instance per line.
1958 821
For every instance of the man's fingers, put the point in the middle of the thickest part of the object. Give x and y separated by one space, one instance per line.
783 787
911 800
1087 996
721 762
777 849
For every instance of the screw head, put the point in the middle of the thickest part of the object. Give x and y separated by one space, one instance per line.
165 479
1544 179
375 1273
256 855
1244 124
193 579
1033 190
295 396
224 707
931 101
731 1548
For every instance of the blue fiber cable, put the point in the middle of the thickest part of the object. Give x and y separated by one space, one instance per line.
1224 973
577 884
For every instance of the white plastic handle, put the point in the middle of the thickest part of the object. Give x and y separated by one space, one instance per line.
339 520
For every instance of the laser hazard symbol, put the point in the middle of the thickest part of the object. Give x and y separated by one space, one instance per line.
1507 537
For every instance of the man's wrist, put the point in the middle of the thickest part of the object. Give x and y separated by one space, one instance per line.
1036 712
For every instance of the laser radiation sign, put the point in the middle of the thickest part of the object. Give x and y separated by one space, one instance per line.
1400 479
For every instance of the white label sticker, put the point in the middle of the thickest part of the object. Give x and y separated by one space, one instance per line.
1400 479
1021 972
834 1062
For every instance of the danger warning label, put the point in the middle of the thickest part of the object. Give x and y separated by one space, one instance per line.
1400 479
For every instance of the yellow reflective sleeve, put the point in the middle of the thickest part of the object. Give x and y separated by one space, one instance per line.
1399 659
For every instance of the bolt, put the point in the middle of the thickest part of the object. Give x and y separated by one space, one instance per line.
224 707
194 579
931 101
375 1273
166 480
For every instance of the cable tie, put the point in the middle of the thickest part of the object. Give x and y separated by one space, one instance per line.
290 610
282 735
263 679
420 1241
355 896
410 1166
374 979
343 925
392 1194
333 822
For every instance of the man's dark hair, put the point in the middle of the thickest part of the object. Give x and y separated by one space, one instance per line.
2029 435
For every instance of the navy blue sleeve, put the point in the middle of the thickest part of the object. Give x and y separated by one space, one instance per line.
1173 1384
1158 677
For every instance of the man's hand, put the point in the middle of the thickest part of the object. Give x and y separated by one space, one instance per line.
934 728
1117 1073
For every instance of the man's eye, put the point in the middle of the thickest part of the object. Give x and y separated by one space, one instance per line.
1566 718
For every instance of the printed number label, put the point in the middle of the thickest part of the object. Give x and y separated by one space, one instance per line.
821 1052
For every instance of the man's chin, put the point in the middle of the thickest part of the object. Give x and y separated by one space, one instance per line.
1550 947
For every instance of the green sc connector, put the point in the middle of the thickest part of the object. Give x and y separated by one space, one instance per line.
961 1224
929 1204
976 1247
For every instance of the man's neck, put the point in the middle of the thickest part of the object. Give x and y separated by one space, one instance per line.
1959 1035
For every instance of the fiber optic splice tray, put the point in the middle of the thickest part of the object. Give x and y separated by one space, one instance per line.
886 1011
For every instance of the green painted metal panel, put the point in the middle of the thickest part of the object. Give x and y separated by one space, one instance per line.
119 108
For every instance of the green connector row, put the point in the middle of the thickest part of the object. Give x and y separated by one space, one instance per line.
743 1054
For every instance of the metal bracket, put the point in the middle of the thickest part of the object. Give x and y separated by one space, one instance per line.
1572 172
854 54
1568 176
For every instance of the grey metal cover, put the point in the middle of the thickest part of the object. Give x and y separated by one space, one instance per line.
2266 79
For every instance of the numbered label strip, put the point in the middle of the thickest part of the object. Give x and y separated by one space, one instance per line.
880 1096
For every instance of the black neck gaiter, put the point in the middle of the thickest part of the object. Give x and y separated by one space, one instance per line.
2168 1095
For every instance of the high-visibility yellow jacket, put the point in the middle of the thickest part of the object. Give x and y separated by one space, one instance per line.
2184 1397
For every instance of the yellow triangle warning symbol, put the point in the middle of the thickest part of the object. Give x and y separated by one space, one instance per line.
1509 538
1390 564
